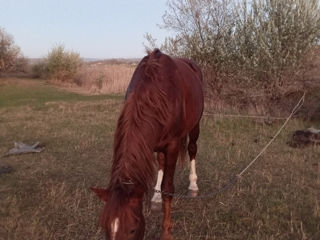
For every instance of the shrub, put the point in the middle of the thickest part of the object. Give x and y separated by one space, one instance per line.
257 45
273 38
60 64
9 52
21 65
40 69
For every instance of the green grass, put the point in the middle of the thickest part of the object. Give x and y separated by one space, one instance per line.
47 195
37 93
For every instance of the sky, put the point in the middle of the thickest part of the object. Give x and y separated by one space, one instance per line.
93 28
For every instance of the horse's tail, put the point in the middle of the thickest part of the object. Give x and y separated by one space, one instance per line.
183 150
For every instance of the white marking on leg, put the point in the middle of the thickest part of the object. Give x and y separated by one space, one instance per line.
114 228
193 176
157 195
313 130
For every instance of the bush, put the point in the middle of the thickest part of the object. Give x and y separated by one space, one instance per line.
9 52
21 65
59 64
258 45
274 40
40 69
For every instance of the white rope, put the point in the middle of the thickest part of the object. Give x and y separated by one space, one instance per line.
294 110
243 116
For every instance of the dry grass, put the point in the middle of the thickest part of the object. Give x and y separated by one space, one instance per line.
47 196
101 77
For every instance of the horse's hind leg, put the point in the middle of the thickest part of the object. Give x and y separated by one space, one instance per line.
192 150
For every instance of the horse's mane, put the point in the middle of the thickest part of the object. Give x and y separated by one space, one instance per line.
140 124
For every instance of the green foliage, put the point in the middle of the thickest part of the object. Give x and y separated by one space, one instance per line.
259 45
36 94
9 52
273 38
62 64
204 30
59 64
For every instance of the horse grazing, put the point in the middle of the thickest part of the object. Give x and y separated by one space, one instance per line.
164 104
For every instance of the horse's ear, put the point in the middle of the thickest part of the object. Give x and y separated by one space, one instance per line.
101 193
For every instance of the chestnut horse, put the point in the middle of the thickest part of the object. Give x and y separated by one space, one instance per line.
164 104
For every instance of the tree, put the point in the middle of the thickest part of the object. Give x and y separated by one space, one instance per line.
9 52
259 45
204 30
273 39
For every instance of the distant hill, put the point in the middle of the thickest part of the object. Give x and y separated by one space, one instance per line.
116 61
91 60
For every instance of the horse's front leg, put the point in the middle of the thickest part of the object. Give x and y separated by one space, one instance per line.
168 188
157 198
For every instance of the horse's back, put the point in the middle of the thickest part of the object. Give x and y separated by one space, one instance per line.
191 77
186 84
180 80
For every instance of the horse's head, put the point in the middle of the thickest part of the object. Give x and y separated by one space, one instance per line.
122 217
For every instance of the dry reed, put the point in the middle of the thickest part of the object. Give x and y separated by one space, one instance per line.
100 77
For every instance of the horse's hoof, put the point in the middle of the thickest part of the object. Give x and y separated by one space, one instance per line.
166 236
193 193
156 206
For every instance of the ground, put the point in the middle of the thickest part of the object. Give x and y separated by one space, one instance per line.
47 195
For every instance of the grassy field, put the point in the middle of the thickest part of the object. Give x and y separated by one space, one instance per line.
47 195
